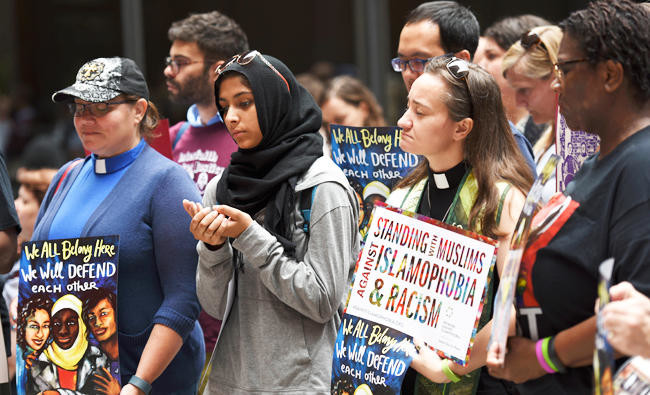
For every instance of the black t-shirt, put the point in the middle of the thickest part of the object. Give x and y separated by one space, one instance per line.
609 217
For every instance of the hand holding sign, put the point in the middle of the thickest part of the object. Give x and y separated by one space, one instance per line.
428 363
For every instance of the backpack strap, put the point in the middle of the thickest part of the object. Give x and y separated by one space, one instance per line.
181 130
65 173
306 201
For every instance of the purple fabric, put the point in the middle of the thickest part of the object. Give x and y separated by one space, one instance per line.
204 152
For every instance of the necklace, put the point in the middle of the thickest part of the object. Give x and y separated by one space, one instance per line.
429 202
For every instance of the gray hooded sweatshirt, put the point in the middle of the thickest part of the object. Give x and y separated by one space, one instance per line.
280 333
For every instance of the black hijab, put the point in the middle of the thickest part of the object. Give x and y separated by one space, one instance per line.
264 177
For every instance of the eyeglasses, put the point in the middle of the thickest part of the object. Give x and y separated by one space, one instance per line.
95 109
246 58
416 65
178 64
459 69
560 72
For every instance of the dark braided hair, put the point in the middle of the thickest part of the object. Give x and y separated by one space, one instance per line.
36 302
617 30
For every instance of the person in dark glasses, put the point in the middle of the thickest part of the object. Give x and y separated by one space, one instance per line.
291 270
473 176
603 83
528 68
126 188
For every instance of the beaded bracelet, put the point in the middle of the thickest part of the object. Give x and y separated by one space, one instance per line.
540 357
448 372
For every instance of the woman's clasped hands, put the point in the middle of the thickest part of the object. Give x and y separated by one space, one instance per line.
214 225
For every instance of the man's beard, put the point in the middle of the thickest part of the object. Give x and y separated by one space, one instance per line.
195 90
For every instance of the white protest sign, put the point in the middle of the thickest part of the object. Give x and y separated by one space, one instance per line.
424 279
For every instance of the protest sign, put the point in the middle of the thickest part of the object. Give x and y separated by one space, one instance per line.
67 316
369 355
603 360
372 161
416 277
633 378
573 147
504 299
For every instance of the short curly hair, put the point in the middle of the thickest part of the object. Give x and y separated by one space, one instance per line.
217 35
29 307
616 30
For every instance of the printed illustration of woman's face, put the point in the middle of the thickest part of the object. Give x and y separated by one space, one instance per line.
65 327
38 329
102 320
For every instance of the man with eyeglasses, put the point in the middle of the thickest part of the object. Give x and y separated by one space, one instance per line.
422 39
202 144
200 43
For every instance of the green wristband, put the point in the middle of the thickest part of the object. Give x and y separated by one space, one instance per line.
140 384
448 372
552 354
547 358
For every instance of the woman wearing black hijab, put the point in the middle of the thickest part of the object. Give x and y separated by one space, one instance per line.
280 332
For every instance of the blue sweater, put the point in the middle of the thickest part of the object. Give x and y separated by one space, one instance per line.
157 258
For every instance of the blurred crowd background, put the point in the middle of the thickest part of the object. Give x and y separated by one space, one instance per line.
44 42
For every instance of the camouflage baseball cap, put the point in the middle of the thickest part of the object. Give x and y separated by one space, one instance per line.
103 79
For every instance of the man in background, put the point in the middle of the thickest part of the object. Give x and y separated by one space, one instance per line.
200 43
440 28
202 144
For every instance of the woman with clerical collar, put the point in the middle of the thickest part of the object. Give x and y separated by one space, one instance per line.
473 176
126 188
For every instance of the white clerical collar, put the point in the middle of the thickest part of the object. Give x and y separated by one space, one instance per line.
441 181
118 162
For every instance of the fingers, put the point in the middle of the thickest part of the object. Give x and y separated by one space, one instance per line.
419 343
229 211
207 225
191 207
495 356
621 291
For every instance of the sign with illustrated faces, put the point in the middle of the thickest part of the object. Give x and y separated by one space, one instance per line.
371 159
66 336
573 147
416 277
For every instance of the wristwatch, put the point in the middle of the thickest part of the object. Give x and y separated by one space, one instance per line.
141 384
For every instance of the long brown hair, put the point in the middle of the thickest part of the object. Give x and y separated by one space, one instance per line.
489 148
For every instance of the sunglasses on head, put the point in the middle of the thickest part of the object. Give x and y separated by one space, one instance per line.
247 57
459 69
531 39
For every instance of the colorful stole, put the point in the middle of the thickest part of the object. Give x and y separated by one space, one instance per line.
458 215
